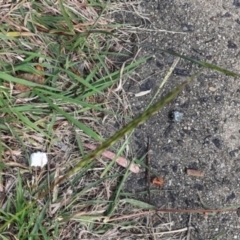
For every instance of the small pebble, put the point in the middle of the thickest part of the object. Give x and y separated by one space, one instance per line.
188 28
212 89
176 116
217 143
231 44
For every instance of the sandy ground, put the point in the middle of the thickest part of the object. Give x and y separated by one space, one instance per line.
208 136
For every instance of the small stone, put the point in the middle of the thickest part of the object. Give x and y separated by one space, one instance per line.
181 72
187 28
176 116
227 14
198 187
231 44
148 85
218 98
174 168
212 89
230 197
236 3
217 143
159 64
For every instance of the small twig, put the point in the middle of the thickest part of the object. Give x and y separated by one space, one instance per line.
175 231
195 173
148 170
165 232
203 211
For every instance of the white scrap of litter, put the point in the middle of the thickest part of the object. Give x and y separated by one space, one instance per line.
38 159
142 93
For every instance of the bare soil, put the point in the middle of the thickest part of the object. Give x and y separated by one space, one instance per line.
208 136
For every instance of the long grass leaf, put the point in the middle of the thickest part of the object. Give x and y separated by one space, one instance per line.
71 100
200 63
39 220
112 206
128 128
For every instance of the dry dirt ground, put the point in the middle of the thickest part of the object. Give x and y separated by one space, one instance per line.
208 136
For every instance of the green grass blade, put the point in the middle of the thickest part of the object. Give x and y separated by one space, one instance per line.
30 124
3 238
66 17
71 100
80 125
92 73
82 81
39 220
112 78
79 144
113 205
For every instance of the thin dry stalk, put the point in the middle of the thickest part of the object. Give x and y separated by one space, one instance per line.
203 211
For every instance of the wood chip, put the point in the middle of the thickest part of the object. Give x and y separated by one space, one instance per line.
158 181
195 173
120 160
